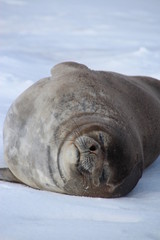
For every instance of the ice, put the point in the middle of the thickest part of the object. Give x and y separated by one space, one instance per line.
117 35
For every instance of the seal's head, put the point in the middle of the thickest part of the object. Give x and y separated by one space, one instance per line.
98 163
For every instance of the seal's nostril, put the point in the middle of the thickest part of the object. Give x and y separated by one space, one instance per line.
93 148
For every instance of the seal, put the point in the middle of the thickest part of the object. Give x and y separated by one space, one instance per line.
83 132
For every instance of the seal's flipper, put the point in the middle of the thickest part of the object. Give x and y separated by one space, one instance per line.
7 175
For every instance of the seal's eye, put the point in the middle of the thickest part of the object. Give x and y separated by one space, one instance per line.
93 148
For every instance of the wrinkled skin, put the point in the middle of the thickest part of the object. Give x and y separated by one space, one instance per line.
84 132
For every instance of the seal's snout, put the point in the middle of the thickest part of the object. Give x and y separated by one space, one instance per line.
87 144
91 159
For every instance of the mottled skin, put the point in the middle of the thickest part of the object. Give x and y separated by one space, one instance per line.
84 132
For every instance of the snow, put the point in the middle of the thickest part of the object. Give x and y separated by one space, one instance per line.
32 214
117 35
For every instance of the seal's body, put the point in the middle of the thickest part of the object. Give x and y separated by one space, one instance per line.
84 132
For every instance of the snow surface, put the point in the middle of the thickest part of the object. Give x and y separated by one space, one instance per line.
114 35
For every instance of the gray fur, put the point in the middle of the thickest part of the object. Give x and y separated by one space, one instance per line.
83 132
